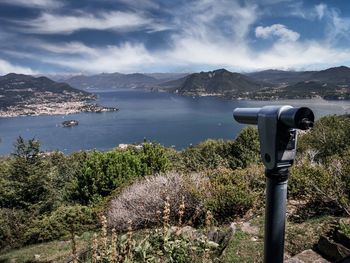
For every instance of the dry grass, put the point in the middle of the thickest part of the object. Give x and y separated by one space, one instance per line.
143 200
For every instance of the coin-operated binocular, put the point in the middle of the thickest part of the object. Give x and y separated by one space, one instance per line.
277 127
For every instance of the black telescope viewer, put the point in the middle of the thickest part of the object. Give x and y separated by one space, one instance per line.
277 127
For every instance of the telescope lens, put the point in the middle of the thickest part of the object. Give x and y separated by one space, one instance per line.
299 118
304 118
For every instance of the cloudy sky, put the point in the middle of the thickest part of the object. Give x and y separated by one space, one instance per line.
93 36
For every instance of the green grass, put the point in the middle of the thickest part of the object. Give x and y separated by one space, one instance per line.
55 251
299 237
242 249
302 236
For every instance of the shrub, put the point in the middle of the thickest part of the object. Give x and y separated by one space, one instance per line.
101 173
213 154
228 194
12 225
330 136
141 201
305 179
316 184
209 154
60 223
246 149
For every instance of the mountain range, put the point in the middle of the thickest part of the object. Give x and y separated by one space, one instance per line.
332 84
110 81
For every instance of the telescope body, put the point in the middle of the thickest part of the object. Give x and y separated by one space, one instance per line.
277 126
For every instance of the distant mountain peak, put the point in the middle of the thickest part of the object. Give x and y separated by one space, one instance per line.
340 69
220 82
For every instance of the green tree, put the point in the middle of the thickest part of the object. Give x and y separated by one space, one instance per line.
245 149
103 172
28 180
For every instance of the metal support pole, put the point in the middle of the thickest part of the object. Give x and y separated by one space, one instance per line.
275 212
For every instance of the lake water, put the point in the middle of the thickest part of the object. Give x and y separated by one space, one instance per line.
166 118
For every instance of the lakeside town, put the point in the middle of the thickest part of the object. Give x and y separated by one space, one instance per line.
53 108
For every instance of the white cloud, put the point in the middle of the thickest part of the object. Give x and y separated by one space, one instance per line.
65 24
320 10
6 67
35 3
145 4
278 30
340 25
123 58
74 48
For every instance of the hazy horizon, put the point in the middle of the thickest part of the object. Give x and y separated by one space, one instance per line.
150 73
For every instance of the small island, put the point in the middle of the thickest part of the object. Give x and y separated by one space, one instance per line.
70 123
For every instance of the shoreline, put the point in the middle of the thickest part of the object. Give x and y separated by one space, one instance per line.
50 109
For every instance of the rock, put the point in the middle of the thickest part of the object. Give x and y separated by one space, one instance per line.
187 232
331 249
344 260
216 235
342 238
307 256
246 227
224 237
36 257
233 227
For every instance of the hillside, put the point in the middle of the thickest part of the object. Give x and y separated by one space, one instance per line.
165 77
18 89
337 75
280 77
27 95
214 83
329 84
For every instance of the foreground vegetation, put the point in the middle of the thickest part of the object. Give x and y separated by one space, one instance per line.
51 196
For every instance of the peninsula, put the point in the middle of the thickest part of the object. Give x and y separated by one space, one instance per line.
24 95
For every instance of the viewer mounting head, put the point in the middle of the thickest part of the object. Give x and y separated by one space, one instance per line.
277 131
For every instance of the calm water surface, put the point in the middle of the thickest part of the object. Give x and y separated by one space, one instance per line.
166 118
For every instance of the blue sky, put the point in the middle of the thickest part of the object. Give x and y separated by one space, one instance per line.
93 36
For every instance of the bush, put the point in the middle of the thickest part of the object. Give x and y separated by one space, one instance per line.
246 149
304 179
228 194
330 136
141 201
103 172
60 223
209 154
316 184
213 154
12 226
